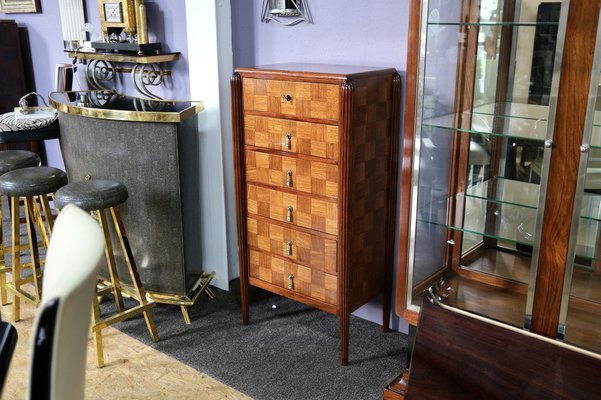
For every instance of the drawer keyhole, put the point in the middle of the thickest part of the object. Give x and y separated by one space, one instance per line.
289 214
289 248
289 178
290 281
287 97
288 141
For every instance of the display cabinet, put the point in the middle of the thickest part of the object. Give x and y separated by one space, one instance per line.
501 196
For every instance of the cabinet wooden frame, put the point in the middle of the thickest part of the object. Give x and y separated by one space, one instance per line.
353 287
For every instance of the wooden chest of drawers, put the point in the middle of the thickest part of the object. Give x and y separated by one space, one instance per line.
315 153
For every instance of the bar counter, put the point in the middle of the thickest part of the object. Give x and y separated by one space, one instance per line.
152 147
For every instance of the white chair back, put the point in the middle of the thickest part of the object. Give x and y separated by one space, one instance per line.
60 332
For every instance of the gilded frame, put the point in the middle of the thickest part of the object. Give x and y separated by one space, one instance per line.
19 6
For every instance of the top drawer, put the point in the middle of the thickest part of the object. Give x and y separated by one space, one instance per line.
298 99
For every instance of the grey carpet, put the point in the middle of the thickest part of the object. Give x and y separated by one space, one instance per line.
287 352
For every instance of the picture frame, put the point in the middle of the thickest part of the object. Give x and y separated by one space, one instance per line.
19 6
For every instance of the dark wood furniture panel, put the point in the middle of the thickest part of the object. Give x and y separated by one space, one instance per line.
528 367
12 76
316 159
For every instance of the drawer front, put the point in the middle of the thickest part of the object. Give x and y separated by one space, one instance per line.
295 209
317 140
299 247
295 173
287 98
309 282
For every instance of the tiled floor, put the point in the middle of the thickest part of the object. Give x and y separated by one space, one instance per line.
132 370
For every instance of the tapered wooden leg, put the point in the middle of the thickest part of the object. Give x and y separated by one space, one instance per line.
244 299
386 300
344 338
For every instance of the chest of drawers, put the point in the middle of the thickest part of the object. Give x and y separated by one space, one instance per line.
315 158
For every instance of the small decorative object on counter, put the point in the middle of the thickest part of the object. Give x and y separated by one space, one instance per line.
124 27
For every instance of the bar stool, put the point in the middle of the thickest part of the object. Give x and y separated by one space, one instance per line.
99 196
28 183
11 160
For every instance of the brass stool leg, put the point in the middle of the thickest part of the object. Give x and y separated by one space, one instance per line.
3 267
49 219
110 260
97 332
133 270
16 257
186 315
17 267
33 247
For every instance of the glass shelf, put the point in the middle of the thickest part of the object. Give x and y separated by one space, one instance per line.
508 191
520 121
525 195
489 23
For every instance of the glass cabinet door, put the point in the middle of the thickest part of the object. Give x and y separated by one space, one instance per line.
485 80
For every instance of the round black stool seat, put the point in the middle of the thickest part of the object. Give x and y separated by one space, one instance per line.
32 181
15 159
91 195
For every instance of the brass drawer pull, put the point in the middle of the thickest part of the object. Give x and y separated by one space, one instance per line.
287 97
289 178
290 281
288 141
289 214
289 248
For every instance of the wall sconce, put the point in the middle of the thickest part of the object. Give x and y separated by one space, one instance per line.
274 10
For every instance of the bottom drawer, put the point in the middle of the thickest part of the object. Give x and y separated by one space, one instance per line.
305 281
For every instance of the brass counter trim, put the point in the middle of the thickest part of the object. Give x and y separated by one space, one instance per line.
131 58
125 115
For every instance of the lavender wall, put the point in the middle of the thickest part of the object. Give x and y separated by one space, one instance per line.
166 24
355 32
352 32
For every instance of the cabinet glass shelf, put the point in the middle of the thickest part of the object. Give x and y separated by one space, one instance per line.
520 127
525 194
489 23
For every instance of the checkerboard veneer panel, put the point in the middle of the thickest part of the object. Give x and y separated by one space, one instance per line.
307 176
308 100
307 281
308 212
306 249
319 140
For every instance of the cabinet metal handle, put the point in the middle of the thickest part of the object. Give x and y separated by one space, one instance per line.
286 97
289 214
290 281
289 248
288 140
289 178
